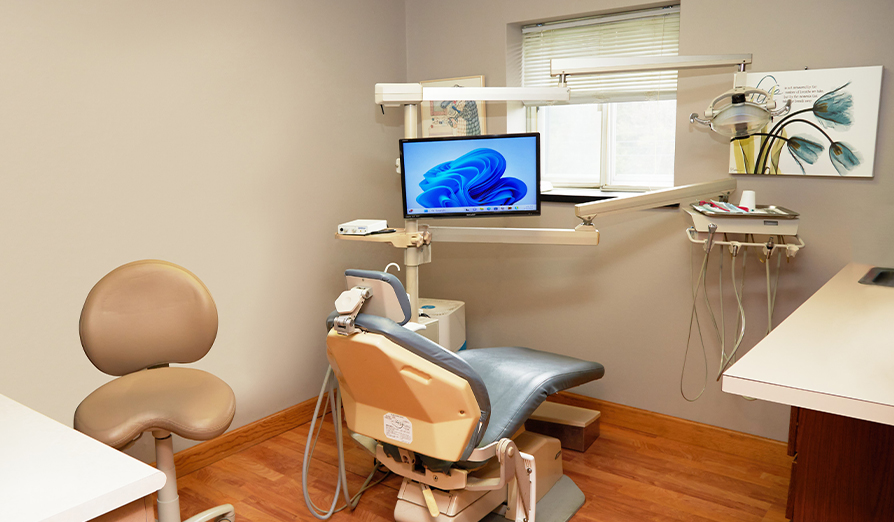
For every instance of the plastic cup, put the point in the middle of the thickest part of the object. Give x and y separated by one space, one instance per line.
747 200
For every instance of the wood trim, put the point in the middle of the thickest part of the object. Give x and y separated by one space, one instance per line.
747 446
139 510
792 488
210 451
793 431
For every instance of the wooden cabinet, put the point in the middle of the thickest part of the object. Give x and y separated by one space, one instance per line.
137 511
832 354
843 469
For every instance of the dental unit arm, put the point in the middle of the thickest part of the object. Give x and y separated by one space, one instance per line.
721 189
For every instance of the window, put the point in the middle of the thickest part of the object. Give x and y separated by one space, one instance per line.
618 131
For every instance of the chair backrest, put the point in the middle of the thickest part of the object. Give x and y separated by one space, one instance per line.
390 299
147 313
403 389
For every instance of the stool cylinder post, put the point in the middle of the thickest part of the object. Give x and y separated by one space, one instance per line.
168 499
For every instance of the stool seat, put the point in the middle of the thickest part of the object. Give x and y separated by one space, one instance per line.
190 403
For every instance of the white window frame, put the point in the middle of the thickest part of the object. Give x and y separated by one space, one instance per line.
532 126
591 90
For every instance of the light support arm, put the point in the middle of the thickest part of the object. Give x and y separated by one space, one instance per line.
563 67
529 95
397 94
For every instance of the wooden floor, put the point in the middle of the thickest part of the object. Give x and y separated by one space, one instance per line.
627 475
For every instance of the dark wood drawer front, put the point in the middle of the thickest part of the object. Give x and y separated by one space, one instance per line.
845 469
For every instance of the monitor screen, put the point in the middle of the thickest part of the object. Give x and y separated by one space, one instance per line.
495 175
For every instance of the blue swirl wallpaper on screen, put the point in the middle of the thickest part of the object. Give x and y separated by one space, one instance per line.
473 179
462 174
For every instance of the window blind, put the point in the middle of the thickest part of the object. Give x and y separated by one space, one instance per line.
654 32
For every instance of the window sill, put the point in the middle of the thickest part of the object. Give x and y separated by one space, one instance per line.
582 195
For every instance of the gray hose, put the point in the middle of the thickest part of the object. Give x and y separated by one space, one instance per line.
341 486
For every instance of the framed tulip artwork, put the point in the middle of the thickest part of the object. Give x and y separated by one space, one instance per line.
829 131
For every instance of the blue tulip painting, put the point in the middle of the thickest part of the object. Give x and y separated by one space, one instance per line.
835 108
804 148
844 159
829 131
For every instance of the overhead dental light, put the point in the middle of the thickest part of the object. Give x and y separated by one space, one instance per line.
740 112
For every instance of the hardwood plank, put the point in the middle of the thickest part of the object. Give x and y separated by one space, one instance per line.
246 512
775 514
356 458
641 471
210 451
643 501
225 487
700 460
674 476
710 437
193 502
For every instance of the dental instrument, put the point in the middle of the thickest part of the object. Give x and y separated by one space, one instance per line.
775 244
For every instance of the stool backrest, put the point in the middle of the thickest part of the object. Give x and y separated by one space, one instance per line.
147 313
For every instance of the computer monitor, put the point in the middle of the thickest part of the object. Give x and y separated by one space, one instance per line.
497 175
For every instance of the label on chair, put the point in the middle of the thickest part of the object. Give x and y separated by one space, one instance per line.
399 428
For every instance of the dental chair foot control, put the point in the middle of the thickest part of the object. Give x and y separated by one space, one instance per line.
430 501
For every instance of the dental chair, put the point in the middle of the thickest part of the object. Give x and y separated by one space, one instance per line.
136 321
450 423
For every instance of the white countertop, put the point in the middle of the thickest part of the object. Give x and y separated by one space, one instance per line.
50 472
834 354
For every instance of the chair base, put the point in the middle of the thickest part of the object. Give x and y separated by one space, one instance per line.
463 505
562 501
169 499
459 506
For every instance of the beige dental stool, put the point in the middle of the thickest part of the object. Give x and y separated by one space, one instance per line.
137 320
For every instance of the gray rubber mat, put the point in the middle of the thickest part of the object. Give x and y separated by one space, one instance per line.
559 505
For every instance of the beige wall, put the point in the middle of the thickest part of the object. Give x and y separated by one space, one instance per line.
227 136
626 302
218 135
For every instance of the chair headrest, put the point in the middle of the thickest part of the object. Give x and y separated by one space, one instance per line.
389 299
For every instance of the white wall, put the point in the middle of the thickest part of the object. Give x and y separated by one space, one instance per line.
626 302
230 137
